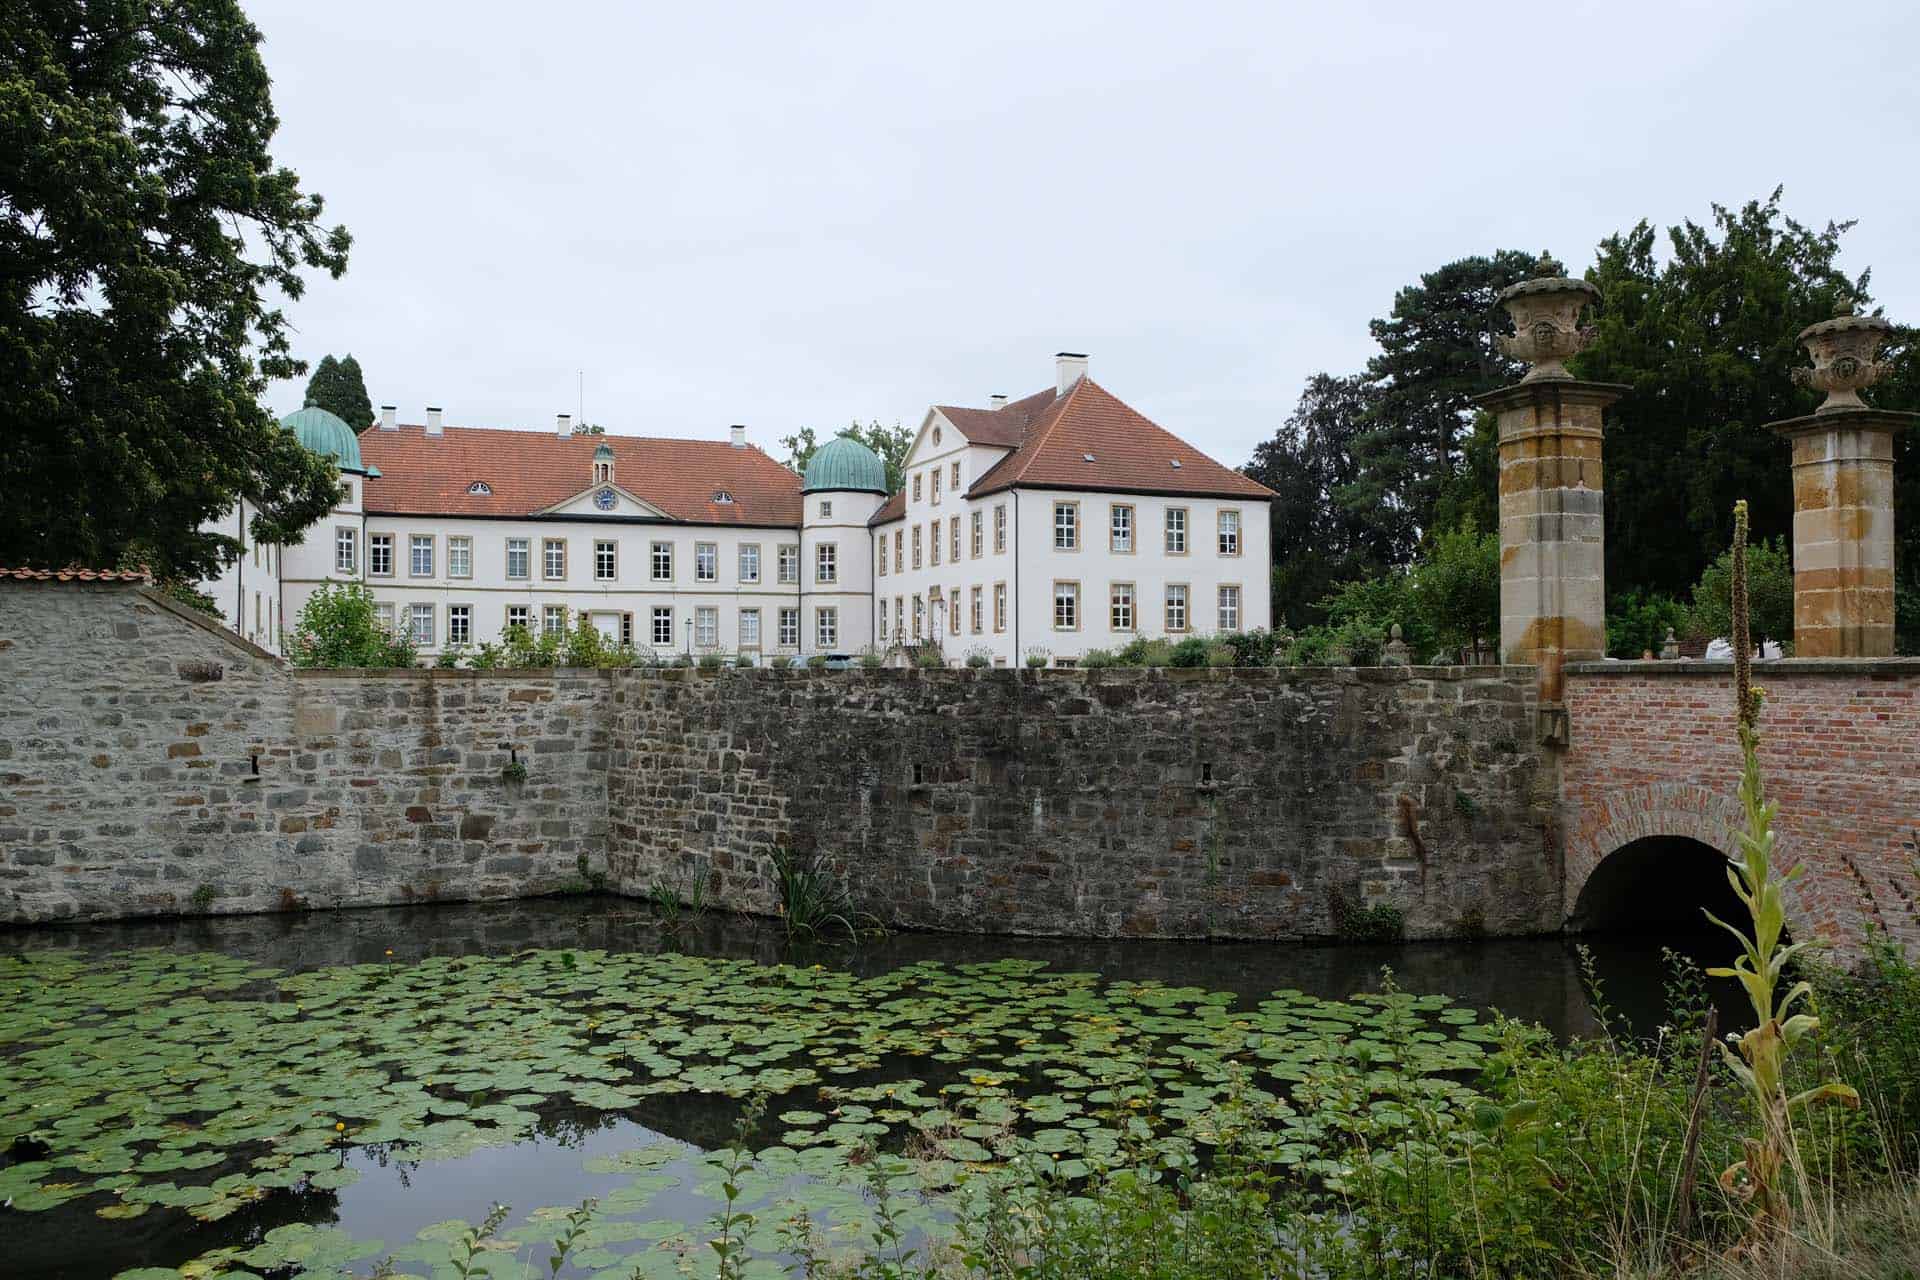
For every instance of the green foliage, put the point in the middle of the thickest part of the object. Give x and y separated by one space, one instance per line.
1700 323
185 593
1220 655
1038 658
979 659
336 628
1380 602
780 661
929 658
817 662
1382 922
1360 642
202 898
1191 652
1141 652
1769 589
1871 1019
146 228
1251 648
890 443
1456 586
872 659
1315 647
1638 622
1098 659
339 387
712 661
814 902
513 772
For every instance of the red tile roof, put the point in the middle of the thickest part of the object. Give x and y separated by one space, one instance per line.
75 575
529 471
1051 435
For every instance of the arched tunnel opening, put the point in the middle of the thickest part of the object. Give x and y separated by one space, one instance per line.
1658 884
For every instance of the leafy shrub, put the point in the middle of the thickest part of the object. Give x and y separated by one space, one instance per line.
1362 641
1456 587
818 662
1382 601
1220 655
1038 658
1096 659
872 659
712 661
1141 652
1191 652
1769 593
743 661
1313 647
780 661
1637 623
814 902
928 658
979 659
336 628
185 593
1253 648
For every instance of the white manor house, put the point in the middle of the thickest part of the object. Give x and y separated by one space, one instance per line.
1058 523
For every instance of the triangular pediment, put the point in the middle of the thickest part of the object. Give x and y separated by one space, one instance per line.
589 502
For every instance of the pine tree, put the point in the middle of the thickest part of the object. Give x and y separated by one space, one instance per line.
339 387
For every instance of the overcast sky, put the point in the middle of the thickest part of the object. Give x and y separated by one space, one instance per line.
792 214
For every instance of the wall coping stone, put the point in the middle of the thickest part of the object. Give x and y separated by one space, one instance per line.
1762 668
909 675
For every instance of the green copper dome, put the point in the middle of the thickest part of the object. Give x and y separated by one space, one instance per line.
328 436
844 463
604 453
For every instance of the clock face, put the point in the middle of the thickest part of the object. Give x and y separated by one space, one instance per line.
604 499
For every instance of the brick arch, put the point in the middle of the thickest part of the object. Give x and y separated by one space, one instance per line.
1617 818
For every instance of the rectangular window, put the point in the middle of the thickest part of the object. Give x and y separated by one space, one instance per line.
626 630
1000 528
790 628
706 626
1229 533
919 617
956 475
1176 606
606 561
933 540
790 564
916 546
1120 536
826 628
826 509
519 558
880 566
936 486
979 540
1120 604
420 556
344 546
916 486
749 628
1229 608
383 617
899 562
999 606
883 619
1176 531
553 619
953 611
662 626
420 624
749 562
519 615
826 562
459 624
900 616
953 535
976 610
459 558
1066 526
706 562
662 561
1066 606
553 558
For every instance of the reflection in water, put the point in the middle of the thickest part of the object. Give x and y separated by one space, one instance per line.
1538 980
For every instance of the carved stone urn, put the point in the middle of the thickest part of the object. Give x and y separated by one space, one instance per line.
1843 351
1546 324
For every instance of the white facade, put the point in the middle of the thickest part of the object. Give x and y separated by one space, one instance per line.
248 591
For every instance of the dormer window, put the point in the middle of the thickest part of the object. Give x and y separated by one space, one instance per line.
603 464
721 495
480 488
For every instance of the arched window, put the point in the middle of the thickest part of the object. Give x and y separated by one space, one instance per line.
480 487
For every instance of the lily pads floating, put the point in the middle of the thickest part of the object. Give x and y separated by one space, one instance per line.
154 1082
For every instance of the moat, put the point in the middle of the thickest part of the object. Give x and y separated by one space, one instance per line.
173 1087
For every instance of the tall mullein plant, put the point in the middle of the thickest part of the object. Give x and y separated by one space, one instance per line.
1760 1063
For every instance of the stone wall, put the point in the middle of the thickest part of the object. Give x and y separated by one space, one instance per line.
153 763
1186 803
1653 753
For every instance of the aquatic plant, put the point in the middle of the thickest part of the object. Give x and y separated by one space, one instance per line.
814 902
1761 1062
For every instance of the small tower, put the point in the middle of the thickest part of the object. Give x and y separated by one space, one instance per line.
603 464
845 484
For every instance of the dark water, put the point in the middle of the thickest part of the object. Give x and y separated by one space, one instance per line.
1538 980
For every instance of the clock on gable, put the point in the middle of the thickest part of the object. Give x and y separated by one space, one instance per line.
605 500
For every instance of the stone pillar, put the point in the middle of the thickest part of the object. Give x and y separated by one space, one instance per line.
1552 499
1843 497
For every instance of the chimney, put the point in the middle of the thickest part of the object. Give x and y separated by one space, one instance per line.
739 436
389 417
563 425
433 420
1071 366
998 400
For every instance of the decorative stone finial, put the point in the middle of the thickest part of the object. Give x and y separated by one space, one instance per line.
1843 351
1395 654
1546 323
1670 649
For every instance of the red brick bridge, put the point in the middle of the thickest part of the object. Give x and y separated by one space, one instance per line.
1649 785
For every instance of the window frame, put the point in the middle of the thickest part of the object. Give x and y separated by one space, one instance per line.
976 609
1114 605
1166 531
457 610
748 576
526 564
1073 598
1239 531
978 532
999 528
661 613
787 565
1186 608
347 538
384 615
953 540
999 607
654 557
546 559
611 549
826 627
415 611
934 489
752 612
547 615
525 623
706 626
414 541
1113 528
376 541
464 542
916 486
1069 507
953 612
1219 606
953 481
916 546
826 563
788 624
706 564
899 553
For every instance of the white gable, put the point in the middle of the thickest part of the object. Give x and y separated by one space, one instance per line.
615 502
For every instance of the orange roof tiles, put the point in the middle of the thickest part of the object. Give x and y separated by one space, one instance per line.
529 471
75 575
